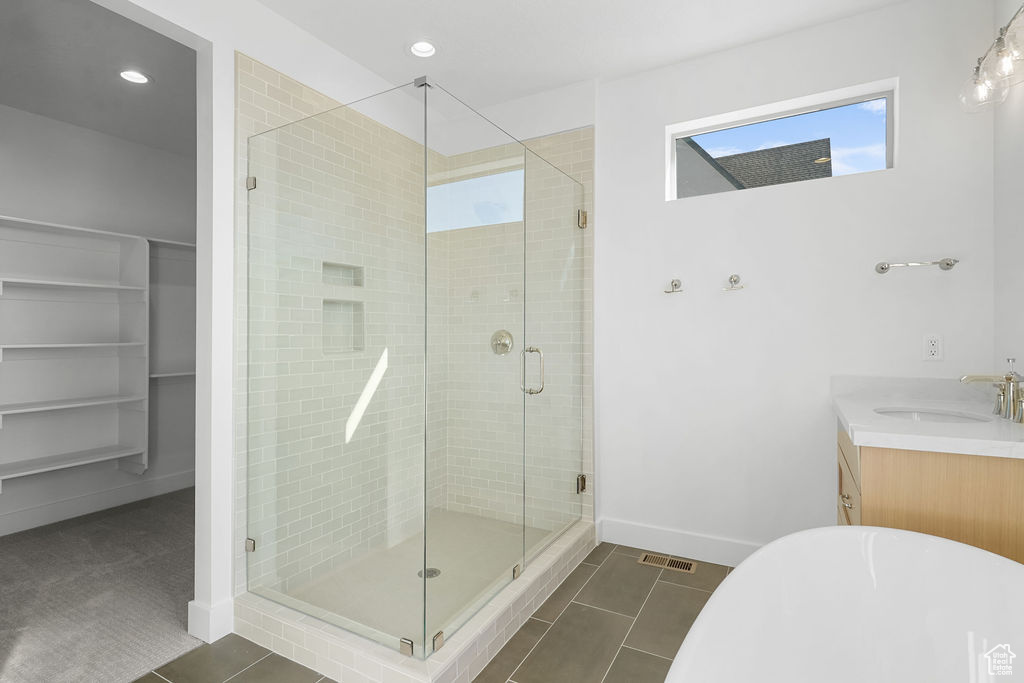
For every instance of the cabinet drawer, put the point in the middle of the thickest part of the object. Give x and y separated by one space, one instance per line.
849 496
852 454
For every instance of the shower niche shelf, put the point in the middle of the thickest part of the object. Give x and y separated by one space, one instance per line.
341 274
344 329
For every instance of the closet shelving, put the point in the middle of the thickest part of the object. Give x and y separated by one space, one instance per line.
26 282
172 310
78 308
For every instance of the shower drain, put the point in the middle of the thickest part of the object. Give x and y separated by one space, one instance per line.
430 573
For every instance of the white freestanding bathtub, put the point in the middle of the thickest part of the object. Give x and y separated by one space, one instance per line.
861 605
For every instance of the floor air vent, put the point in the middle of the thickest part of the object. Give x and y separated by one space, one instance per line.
666 562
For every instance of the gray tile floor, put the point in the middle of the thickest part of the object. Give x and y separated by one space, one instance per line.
612 621
235 659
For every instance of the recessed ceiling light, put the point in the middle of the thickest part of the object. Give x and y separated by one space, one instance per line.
133 76
423 48
822 160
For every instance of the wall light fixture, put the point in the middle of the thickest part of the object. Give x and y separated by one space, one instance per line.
998 69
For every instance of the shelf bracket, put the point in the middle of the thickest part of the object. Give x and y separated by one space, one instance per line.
132 466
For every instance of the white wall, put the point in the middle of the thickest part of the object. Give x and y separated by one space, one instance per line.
714 429
217 31
1009 211
54 172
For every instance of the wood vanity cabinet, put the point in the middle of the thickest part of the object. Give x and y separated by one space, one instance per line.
974 499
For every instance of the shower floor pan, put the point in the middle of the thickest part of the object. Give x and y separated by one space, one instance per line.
468 550
383 589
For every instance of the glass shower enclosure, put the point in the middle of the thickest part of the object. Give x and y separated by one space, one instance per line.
415 363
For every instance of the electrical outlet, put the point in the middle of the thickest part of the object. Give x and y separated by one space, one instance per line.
932 347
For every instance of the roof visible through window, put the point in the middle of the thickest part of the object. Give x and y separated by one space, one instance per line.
856 134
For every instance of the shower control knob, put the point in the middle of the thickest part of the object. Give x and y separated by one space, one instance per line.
501 342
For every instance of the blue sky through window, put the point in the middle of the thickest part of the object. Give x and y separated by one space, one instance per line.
487 200
857 133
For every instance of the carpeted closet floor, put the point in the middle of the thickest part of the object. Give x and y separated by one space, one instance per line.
101 597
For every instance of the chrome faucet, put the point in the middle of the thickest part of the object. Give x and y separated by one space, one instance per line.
1009 400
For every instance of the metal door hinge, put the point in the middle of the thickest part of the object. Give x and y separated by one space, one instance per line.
438 640
405 647
250 183
581 483
250 545
516 571
581 219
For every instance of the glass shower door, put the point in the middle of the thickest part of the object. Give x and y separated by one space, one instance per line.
414 364
554 357
336 361
475 314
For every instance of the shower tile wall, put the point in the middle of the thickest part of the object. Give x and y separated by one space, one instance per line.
573 153
485 439
485 402
329 501
322 524
337 188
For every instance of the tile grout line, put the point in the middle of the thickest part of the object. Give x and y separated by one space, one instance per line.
248 667
683 585
551 624
620 614
630 629
630 647
658 580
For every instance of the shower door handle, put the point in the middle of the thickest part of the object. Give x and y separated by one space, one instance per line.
522 370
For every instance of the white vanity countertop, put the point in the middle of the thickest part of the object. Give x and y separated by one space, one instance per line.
855 399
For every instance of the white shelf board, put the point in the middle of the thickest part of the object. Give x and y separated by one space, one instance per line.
66 284
82 345
163 375
157 242
64 404
49 463
15 222
4 348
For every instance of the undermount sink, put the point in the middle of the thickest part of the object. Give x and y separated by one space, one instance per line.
931 415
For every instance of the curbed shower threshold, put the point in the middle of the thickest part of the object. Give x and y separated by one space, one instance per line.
340 654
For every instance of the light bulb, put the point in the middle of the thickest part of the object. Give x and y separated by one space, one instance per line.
423 48
1004 63
1004 57
1015 47
1013 40
133 76
981 90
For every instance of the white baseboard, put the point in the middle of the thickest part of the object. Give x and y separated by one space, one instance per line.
48 513
717 549
211 622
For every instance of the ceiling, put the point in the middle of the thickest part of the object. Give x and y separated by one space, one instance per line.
491 52
62 59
